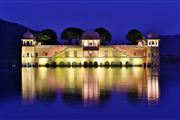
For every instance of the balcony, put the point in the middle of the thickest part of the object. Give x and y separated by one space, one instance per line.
90 48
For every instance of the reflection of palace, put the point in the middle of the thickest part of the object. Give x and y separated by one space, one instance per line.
28 83
153 86
90 52
89 85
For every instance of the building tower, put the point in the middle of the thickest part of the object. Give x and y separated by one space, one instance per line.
28 49
90 42
153 49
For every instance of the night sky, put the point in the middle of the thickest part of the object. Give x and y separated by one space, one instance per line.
118 16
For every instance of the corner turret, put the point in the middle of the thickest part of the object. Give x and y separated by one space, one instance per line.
28 39
153 40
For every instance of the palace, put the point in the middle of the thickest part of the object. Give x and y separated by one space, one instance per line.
90 52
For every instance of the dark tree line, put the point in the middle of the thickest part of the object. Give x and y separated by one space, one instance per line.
49 36
104 34
75 33
133 36
71 33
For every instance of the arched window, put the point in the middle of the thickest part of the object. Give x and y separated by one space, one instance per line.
90 44
152 42
85 64
90 64
95 64
27 42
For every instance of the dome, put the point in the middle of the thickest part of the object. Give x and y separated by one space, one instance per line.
153 36
90 35
28 35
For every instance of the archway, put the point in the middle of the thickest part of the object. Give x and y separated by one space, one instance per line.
128 64
113 64
53 64
80 64
68 64
120 64
27 43
74 64
85 64
90 64
61 64
95 64
47 64
106 64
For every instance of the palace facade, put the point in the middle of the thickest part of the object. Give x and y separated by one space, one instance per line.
90 52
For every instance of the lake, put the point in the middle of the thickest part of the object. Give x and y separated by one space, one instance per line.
90 93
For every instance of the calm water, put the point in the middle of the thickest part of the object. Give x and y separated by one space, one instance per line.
90 93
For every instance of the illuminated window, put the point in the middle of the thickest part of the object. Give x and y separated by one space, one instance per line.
90 54
66 53
85 43
106 53
85 54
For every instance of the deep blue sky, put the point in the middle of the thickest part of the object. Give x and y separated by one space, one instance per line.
118 16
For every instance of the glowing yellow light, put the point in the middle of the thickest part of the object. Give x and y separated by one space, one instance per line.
43 61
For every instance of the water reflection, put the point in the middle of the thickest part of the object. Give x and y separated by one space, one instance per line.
89 85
